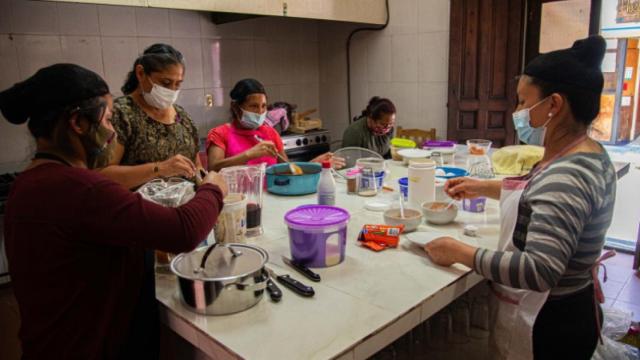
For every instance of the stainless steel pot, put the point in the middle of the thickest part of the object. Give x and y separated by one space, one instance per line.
224 279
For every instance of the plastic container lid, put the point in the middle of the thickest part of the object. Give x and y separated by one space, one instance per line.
403 181
315 216
403 143
376 205
439 143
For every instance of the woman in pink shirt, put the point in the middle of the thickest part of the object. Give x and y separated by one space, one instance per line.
236 143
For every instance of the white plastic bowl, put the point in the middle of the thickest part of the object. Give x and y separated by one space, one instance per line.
413 154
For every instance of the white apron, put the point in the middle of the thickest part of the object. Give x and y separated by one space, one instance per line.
513 312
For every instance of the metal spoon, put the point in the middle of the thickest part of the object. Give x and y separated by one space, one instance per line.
295 169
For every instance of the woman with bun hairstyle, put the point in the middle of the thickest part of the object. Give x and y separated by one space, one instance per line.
545 295
373 129
246 139
74 238
156 137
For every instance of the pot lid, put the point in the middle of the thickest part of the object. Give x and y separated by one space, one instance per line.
316 216
221 264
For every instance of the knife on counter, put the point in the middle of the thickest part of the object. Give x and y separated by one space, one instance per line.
302 269
291 284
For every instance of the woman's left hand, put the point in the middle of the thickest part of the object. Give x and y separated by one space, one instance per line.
446 251
336 161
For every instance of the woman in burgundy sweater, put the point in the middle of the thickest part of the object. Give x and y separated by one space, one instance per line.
74 238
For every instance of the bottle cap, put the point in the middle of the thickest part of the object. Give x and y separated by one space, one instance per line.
326 165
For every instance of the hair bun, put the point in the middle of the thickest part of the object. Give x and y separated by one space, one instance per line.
590 51
12 103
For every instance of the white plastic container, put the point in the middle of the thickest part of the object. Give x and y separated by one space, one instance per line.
232 221
422 177
326 186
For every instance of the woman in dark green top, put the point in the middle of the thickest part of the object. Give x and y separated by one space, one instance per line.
156 137
374 128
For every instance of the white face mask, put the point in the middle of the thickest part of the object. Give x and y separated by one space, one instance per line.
251 120
160 97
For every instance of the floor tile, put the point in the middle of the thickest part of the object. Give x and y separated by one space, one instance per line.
621 259
635 309
631 291
612 288
617 273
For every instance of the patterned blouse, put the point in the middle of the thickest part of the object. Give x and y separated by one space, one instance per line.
146 140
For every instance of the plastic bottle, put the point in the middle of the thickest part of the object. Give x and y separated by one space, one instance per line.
326 186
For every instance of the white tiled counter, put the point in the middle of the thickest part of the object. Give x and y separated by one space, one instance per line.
360 306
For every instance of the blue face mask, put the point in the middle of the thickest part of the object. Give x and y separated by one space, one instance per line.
526 133
252 120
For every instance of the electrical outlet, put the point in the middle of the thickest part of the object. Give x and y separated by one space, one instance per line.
208 98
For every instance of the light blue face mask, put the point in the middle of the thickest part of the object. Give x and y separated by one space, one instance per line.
526 133
251 120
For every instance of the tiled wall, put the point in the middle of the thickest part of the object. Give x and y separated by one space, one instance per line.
282 53
407 62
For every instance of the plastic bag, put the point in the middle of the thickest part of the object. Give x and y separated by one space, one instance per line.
616 323
171 192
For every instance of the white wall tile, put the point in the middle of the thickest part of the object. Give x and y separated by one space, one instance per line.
117 20
184 24
305 63
5 17
83 50
118 55
17 145
404 57
359 97
268 55
332 62
207 28
36 51
333 107
432 107
9 72
145 42
404 16
379 58
152 22
192 100
236 30
191 49
211 60
434 56
359 58
433 15
237 61
34 17
78 19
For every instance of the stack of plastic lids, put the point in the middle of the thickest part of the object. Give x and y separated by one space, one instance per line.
403 143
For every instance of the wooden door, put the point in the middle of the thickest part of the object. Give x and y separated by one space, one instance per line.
485 56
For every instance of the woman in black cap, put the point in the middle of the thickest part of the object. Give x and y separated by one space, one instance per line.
74 238
545 291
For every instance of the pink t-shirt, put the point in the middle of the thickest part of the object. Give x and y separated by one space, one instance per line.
234 141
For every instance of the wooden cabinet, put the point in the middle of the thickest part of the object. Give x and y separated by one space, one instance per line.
360 11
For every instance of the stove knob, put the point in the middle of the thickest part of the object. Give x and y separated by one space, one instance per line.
317 139
298 142
324 138
305 141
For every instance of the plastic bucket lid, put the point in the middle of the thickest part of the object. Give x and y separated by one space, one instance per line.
315 216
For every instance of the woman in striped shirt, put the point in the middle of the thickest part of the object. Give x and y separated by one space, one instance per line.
554 219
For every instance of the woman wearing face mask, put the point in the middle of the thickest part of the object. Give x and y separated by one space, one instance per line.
75 238
545 298
247 139
156 137
373 130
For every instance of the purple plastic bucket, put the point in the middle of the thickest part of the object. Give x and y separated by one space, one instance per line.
317 234
474 205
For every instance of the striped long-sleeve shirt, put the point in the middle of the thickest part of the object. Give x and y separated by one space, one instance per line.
563 216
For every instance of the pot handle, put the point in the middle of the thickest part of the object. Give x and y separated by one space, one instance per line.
253 287
281 181
235 253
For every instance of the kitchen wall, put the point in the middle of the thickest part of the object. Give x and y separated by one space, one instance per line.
407 62
280 52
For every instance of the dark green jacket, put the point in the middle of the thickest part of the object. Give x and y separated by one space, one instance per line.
358 134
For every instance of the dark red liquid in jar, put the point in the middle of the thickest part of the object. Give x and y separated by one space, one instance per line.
254 215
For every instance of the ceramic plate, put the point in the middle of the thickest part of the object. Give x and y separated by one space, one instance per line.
422 238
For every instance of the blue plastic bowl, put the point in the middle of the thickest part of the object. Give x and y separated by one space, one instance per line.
453 171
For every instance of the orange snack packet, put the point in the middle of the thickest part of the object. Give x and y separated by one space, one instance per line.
382 235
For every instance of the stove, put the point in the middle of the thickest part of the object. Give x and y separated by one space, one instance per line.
304 147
